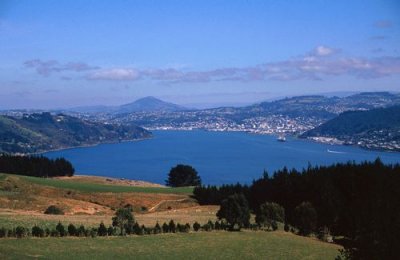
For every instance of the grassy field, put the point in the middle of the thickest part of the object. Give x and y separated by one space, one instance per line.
94 187
202 245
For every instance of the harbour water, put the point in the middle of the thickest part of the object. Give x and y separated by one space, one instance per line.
219 157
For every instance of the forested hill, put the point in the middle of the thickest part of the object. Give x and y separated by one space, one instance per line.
377 126
44 131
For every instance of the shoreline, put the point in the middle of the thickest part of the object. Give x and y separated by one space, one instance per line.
295 136
88 145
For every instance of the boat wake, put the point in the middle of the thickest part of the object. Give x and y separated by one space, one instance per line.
330 151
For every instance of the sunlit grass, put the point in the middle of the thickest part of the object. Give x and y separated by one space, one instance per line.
202 245
95 187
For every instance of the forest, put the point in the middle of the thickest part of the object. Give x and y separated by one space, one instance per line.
360 202
37 166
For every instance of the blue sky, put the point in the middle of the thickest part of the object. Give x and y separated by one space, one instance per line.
198 53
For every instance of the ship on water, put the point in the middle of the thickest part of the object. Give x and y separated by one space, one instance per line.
281 138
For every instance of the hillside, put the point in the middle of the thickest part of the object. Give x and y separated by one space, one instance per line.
370 129
40 132
145 104
148 104
90 200
294 115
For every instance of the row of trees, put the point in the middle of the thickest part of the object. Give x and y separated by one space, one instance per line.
37 166
358 201
123 223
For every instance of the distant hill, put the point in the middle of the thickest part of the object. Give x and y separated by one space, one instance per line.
146 104
40 132
369 129
149 104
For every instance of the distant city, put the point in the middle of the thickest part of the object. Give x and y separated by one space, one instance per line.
295 116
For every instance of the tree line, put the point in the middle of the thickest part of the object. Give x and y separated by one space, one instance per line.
360 202
37 166
123 224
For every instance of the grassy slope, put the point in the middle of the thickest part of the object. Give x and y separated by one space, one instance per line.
203 245
94 187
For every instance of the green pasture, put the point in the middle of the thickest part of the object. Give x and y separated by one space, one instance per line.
202 245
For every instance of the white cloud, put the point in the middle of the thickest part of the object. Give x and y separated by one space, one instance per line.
115 74
323 51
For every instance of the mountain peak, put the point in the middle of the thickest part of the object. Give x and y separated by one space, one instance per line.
149 104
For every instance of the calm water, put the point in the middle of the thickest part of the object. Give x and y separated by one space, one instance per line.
219 157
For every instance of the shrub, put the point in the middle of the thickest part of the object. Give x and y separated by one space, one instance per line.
102 230
54 210
111 231
93 232
196 226
172 226
72 231
165 228
37 231
61 230
157 229
20 232
3 232
81 231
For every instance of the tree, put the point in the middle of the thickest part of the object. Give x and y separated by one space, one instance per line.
60 229
122 218
183 175
196 226
269 214
165 228
37 231
72 231
81 231
102 230
305 218
172 226
20 231
235 210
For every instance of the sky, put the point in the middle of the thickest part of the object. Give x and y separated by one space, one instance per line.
60 54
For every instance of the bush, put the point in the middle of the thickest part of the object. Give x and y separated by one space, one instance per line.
102 230
157 229
3 232
171 226
81 231
111 231
37 231
196 226
20 232
61 230
54 210
183 175
72 231
165 228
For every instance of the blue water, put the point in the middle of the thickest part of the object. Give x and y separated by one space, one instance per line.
219 157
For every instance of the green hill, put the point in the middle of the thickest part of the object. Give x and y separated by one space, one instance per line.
44 131
375 128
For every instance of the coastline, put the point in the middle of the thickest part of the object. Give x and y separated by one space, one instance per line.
89 145
292 135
